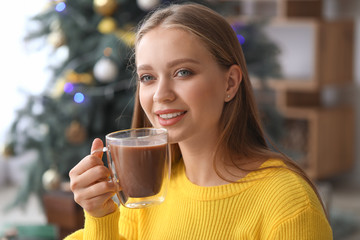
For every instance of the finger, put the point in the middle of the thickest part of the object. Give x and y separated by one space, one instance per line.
96 190
97 145
101 205
95 174
84 165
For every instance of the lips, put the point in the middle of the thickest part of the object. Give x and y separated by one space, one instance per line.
170 116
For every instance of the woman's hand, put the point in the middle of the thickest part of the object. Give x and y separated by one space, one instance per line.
89 181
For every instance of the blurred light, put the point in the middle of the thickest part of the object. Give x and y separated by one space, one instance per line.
241 39
79 97
68 87
60 7
107 51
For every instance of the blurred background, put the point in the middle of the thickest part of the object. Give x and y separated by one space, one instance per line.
67 78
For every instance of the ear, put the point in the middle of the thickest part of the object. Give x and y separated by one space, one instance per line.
234 78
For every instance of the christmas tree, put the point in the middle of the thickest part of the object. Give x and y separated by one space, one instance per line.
92 89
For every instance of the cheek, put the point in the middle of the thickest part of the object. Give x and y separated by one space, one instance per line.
211 92
207 100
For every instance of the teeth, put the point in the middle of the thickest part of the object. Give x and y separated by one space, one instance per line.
170 115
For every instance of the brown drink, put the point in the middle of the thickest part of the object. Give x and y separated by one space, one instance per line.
140 169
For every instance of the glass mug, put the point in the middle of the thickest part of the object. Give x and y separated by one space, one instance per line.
139 162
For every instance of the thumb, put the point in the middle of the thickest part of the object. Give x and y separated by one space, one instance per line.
97 148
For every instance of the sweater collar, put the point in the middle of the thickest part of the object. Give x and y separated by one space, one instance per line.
221 191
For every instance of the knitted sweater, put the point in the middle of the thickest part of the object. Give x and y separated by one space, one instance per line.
273 203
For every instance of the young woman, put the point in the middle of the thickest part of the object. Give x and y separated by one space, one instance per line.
226 183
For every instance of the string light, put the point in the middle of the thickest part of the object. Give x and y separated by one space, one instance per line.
68 87
60 7
236 27
105 90
240 38
79 97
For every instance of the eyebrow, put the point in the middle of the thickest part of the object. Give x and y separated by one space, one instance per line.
170 64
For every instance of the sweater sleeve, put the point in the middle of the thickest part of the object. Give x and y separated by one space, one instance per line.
307 224
104 228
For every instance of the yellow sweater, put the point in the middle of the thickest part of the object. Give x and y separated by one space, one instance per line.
271 204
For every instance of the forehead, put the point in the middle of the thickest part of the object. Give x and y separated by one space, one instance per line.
170 40
165 33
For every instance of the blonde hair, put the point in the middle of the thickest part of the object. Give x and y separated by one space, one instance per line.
242 136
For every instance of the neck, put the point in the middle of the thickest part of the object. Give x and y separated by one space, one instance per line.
198 157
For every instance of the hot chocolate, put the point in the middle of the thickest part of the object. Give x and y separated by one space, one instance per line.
140 169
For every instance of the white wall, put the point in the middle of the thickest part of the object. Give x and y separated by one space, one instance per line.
21 69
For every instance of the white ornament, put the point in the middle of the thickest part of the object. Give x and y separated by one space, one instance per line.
147 5
105 70
57 38
51 179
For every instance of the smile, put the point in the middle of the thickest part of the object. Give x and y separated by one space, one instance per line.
171 115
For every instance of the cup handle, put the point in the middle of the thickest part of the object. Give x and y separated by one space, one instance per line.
104 149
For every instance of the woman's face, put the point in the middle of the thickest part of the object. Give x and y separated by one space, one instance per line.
182 88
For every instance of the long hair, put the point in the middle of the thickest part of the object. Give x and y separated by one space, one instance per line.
242 136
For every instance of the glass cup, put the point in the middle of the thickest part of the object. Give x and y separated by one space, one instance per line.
139 162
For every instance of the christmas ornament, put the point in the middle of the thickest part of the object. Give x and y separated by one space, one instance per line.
56 38
76 133
105 70
107 25
58 88
107 51
60 56
74 77
128 37
8 150
105 7
51 179
147 5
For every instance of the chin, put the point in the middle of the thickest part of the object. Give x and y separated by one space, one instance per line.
172 140
175 137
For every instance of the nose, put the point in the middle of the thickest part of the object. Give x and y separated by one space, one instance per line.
164 90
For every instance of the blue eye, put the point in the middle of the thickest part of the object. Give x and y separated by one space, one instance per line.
183 73
146 78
